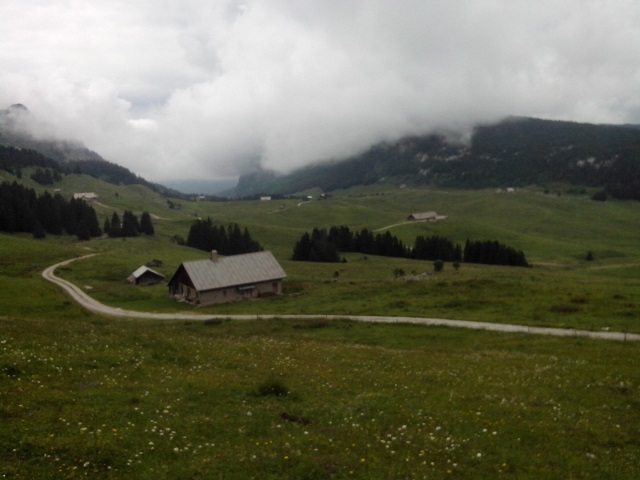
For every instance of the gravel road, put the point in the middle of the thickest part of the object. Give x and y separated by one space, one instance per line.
94 306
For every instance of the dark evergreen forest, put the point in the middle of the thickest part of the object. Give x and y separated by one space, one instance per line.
322 245
22 210
230 240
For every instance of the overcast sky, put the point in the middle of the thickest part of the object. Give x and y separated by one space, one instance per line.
175 89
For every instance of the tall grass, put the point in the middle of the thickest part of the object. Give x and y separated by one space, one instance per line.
98 399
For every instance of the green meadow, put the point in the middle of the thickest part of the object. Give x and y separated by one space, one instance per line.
88 397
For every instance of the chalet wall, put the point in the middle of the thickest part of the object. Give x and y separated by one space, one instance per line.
233 294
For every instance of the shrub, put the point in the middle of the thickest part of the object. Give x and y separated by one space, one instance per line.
272 388
212 322
398 272
312 324
10 371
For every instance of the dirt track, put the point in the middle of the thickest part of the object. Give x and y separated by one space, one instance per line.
94 306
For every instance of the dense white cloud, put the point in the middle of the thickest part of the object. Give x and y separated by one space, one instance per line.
211 88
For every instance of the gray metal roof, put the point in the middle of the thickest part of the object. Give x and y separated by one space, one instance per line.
423 215
141 271
234 270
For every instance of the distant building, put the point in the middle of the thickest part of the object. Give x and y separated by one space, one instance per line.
426 217
85 196
227 279
145 276
422 216
265 199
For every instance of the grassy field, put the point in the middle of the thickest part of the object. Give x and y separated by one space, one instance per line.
556 232
109 399
87 397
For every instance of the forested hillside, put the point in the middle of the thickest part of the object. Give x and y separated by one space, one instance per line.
19 149
515 152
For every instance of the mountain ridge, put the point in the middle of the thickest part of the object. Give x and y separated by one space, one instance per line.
516 151
17 125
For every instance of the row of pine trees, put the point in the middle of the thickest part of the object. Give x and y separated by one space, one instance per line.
231 240
322 245
129 226
22 210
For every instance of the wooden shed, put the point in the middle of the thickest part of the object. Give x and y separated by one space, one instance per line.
145 276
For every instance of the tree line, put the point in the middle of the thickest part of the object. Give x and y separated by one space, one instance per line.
22 210
46 176
129 226
230 240
322 245
12 159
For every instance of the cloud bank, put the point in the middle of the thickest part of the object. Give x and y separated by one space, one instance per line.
213 88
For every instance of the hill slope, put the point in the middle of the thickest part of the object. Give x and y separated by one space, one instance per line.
20 148
516 151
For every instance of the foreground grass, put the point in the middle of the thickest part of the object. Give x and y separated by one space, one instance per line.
108 399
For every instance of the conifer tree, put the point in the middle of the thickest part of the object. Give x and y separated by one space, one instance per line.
116 227
130 225
146 226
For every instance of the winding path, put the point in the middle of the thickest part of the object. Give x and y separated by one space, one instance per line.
94 306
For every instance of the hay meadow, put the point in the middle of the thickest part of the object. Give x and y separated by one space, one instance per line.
83 396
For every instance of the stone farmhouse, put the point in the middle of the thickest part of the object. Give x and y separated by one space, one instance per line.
222 279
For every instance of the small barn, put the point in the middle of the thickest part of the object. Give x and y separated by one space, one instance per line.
145 276
423 217
222 279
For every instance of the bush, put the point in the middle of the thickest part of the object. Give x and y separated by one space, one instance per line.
10 371
272 388
398 272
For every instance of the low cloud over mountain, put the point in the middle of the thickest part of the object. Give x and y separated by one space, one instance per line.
212 89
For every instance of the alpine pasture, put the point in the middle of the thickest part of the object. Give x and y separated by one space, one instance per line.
83 396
